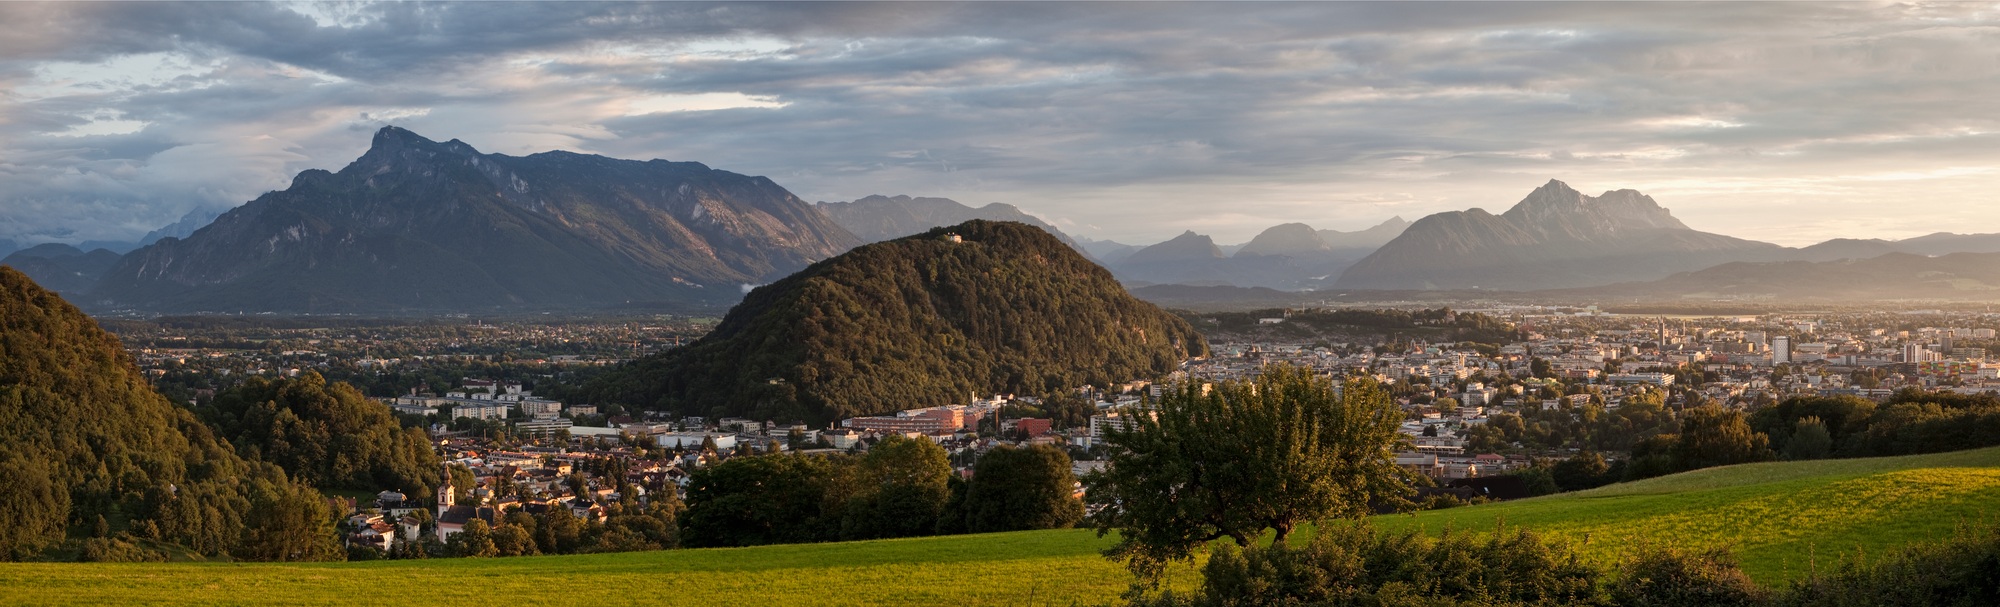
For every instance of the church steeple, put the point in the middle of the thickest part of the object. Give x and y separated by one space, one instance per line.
446 498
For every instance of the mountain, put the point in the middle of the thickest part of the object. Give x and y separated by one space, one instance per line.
1291 256
925 320
1845 248
878 218
1554 238
418 225
1369 239
60 267
1894 276
1289 239
1186 247
1189 258
1107 251
185 227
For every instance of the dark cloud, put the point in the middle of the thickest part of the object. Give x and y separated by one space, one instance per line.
1784 121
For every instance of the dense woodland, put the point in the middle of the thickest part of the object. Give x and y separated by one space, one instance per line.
326 435
977 308
99 466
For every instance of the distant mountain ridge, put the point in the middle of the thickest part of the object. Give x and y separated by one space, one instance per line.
419 225
1891 276
60 267
877 218
1556 237
1290 256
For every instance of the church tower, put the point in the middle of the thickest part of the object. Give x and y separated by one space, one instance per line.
446 498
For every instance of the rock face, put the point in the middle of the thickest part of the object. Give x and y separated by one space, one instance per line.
418 225
1555 238
878 218
62 268
924 320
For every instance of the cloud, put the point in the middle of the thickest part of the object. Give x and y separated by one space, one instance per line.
1789 122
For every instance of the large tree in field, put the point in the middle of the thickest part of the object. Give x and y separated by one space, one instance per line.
1714 436
1020 489
1236 459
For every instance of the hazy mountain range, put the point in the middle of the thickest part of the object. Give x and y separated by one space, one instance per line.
878 218
1890 276
418 225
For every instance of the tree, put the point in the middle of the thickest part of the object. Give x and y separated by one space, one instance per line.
1585 470
902 487
32 507
1244 457
1714 436
1809 440
750 501
513 540
1019 489
288 521
473 541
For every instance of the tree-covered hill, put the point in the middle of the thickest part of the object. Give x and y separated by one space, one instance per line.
88 450
326 434
924 320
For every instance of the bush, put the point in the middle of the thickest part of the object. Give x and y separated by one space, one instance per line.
1671 577
1355 565
1962 571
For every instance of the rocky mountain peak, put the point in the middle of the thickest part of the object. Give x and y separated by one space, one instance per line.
1557 208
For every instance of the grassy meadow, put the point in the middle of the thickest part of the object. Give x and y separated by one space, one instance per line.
1779 517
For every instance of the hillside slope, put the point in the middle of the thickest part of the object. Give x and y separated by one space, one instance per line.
80 428
926 320
1781 515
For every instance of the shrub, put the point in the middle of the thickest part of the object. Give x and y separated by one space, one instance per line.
1355 565
1671 577
1962 571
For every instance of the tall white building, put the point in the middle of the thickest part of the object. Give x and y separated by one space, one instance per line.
1781 350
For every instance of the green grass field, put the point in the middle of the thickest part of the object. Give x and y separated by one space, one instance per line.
1780 518
1777 516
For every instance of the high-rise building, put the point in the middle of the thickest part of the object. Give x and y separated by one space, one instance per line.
1915 353
1781 350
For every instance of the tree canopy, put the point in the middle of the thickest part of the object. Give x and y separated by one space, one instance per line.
328 435
1235 459
83 438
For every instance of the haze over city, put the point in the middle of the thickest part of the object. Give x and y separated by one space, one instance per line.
1789 123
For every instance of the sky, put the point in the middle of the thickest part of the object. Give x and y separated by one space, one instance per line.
1789 122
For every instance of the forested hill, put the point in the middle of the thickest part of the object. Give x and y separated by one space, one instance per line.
86 444
930 319
79 427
